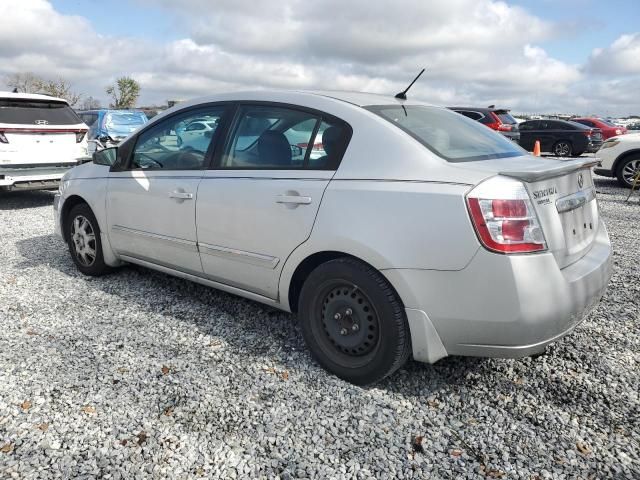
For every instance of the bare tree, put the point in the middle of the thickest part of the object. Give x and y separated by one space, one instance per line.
125 92
26 82
90 103
59 88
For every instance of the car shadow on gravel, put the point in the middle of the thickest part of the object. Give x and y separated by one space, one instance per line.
21 200
256 328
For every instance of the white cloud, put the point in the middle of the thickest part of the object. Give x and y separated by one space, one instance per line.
622 57
475 51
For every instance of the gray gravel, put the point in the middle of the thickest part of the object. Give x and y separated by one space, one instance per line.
140 375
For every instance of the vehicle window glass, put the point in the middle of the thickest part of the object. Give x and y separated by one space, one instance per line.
269 138
471 115
36 112
606 122
121 124
169 145
328 146
505 117
524 126
447 134
543 125
588 123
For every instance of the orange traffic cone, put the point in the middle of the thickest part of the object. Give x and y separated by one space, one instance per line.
536 149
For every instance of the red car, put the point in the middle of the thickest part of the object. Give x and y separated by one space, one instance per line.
608 129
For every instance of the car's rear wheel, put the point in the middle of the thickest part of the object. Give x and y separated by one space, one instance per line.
353 321
562 148
83 237
576 154
627 170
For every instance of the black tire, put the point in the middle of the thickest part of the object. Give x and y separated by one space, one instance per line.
562 148
84 238
627 169
382 342
576 154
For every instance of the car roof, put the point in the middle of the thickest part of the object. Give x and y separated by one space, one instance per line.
481 109
361 99
31 96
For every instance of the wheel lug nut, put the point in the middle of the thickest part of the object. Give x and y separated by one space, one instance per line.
337 316
343 331
355 327
348 312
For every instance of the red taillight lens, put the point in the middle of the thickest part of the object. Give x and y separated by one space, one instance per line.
505 127
80 136
3 139
503 217
316 146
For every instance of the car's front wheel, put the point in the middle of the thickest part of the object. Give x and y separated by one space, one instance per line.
562 148
83 237
627 170
353 321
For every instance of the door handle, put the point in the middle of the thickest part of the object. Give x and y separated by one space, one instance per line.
293 199
181 195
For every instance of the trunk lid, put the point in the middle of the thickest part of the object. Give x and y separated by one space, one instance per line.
39 147
563 197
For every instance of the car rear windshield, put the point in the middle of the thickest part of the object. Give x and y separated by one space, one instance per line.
505 117
453 137
36 112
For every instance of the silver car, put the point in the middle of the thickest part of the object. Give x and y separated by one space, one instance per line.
416 232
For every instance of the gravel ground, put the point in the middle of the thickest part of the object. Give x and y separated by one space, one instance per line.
140 375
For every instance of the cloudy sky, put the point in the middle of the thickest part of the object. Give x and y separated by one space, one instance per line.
580 56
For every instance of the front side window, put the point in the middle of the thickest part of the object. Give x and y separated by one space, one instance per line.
172 145
447 134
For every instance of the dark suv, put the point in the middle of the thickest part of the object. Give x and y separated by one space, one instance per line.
560 137
495 118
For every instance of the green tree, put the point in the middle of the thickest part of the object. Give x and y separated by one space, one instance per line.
124 93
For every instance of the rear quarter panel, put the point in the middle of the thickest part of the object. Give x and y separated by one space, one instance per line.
391 224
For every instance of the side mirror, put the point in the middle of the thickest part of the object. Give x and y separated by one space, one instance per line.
106 157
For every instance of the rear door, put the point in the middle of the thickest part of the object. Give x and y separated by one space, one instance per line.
260 201
151 204
528 134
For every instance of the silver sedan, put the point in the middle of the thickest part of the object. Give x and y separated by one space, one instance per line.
393 228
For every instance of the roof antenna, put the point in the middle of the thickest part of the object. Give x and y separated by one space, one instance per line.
15 90
403 95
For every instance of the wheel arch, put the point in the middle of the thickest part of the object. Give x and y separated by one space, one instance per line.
306 265
68 204
622 157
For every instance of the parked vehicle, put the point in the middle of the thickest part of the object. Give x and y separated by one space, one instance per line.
497 119
633 126
619 157
109 127
41 137
607 128
419 231
560 137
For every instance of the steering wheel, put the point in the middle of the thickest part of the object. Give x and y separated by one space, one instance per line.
151 158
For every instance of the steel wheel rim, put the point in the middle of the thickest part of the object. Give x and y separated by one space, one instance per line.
83 239
357 346
630 170
562 149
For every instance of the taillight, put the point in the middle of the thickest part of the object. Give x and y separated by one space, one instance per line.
505 127
316 146
3 139
80 136
504 218
495 125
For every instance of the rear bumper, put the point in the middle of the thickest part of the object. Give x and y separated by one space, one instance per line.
503 305
593 147
603 171
32 178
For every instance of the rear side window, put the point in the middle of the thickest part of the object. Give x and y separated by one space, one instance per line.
37 112
278 138
447 134
588 123
524 126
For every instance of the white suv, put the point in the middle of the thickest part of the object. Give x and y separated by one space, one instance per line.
41 137
620 157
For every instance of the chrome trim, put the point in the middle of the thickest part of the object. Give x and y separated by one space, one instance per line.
239 255
187 245
575 200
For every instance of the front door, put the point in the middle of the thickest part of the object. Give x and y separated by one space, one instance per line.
151 204
261 201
